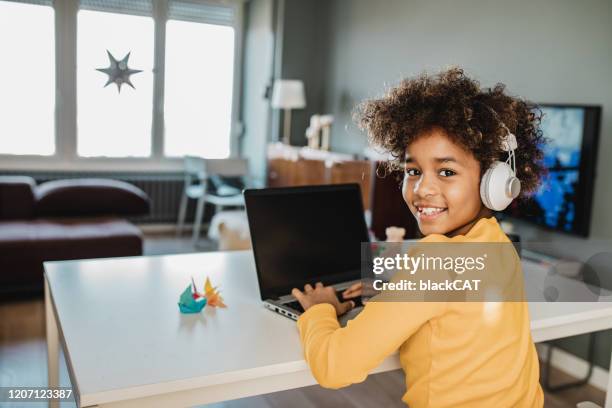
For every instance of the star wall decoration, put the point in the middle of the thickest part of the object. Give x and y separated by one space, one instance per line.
118 72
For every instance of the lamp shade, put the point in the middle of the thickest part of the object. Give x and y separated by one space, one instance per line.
288 94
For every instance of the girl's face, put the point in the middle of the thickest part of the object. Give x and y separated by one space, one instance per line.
442 185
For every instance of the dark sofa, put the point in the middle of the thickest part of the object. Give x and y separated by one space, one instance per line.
61 220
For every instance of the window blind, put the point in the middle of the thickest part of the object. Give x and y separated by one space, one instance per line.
201 12
136 7
39 2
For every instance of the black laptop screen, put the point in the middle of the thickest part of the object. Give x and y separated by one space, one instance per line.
305 235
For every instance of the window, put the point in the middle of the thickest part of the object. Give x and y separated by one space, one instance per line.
27 72
183 96
198 84
110 122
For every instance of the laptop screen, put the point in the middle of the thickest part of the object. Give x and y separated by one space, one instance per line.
305 235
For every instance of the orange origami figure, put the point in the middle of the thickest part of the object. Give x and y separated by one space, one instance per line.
213 298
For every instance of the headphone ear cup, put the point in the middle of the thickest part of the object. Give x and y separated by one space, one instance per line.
484 192
498 186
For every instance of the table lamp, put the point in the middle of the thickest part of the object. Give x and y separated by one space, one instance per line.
288 94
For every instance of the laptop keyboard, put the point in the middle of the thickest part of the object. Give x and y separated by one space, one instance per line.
295 305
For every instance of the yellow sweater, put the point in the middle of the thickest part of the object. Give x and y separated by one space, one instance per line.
452 357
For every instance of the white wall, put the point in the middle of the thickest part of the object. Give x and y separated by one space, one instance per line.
543 50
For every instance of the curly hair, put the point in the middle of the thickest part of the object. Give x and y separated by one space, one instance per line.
473 117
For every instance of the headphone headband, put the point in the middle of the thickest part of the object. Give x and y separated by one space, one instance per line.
499 185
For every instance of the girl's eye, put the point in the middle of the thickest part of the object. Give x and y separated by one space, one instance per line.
412 172
446 173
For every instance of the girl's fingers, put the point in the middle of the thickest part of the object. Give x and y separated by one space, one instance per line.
297 293
345 307
353 287
308 288
319 285
353 291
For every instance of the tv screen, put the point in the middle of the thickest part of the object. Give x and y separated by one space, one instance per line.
563 201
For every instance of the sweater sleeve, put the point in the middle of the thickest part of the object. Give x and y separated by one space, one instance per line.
340 356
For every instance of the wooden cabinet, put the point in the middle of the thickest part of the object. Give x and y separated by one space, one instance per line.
295 166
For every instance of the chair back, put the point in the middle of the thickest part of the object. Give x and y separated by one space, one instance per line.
195 167
597 271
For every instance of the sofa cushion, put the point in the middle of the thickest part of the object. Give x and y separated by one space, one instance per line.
25 245
16 197
90 197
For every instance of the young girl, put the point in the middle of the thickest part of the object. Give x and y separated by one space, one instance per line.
447 131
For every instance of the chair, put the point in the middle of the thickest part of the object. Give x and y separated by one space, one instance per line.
198 173
387 204
597 272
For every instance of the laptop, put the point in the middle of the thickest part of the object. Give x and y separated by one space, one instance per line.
305 235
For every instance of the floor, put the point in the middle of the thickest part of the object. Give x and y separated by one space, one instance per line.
23 359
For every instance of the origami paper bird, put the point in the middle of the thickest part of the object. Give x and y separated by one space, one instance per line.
192 301
188 303
213 297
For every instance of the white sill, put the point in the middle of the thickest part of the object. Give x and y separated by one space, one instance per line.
102 164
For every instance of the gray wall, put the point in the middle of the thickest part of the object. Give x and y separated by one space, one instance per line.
257 74
305 39
283 39
545 50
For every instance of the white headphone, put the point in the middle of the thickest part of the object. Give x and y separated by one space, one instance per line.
499 185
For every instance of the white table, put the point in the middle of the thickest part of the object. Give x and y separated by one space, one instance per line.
127 345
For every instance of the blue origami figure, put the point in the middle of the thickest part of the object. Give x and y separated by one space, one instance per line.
191 302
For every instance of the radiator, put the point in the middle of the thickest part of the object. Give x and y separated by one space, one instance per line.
164 190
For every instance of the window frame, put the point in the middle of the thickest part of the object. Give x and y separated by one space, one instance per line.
66 157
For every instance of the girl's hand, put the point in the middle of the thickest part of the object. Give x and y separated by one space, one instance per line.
321 294
354 291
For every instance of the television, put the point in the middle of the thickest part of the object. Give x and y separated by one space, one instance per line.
563 201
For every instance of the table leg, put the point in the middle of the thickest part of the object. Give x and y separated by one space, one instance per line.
608 403
52 345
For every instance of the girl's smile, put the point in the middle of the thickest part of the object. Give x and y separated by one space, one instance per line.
426 212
